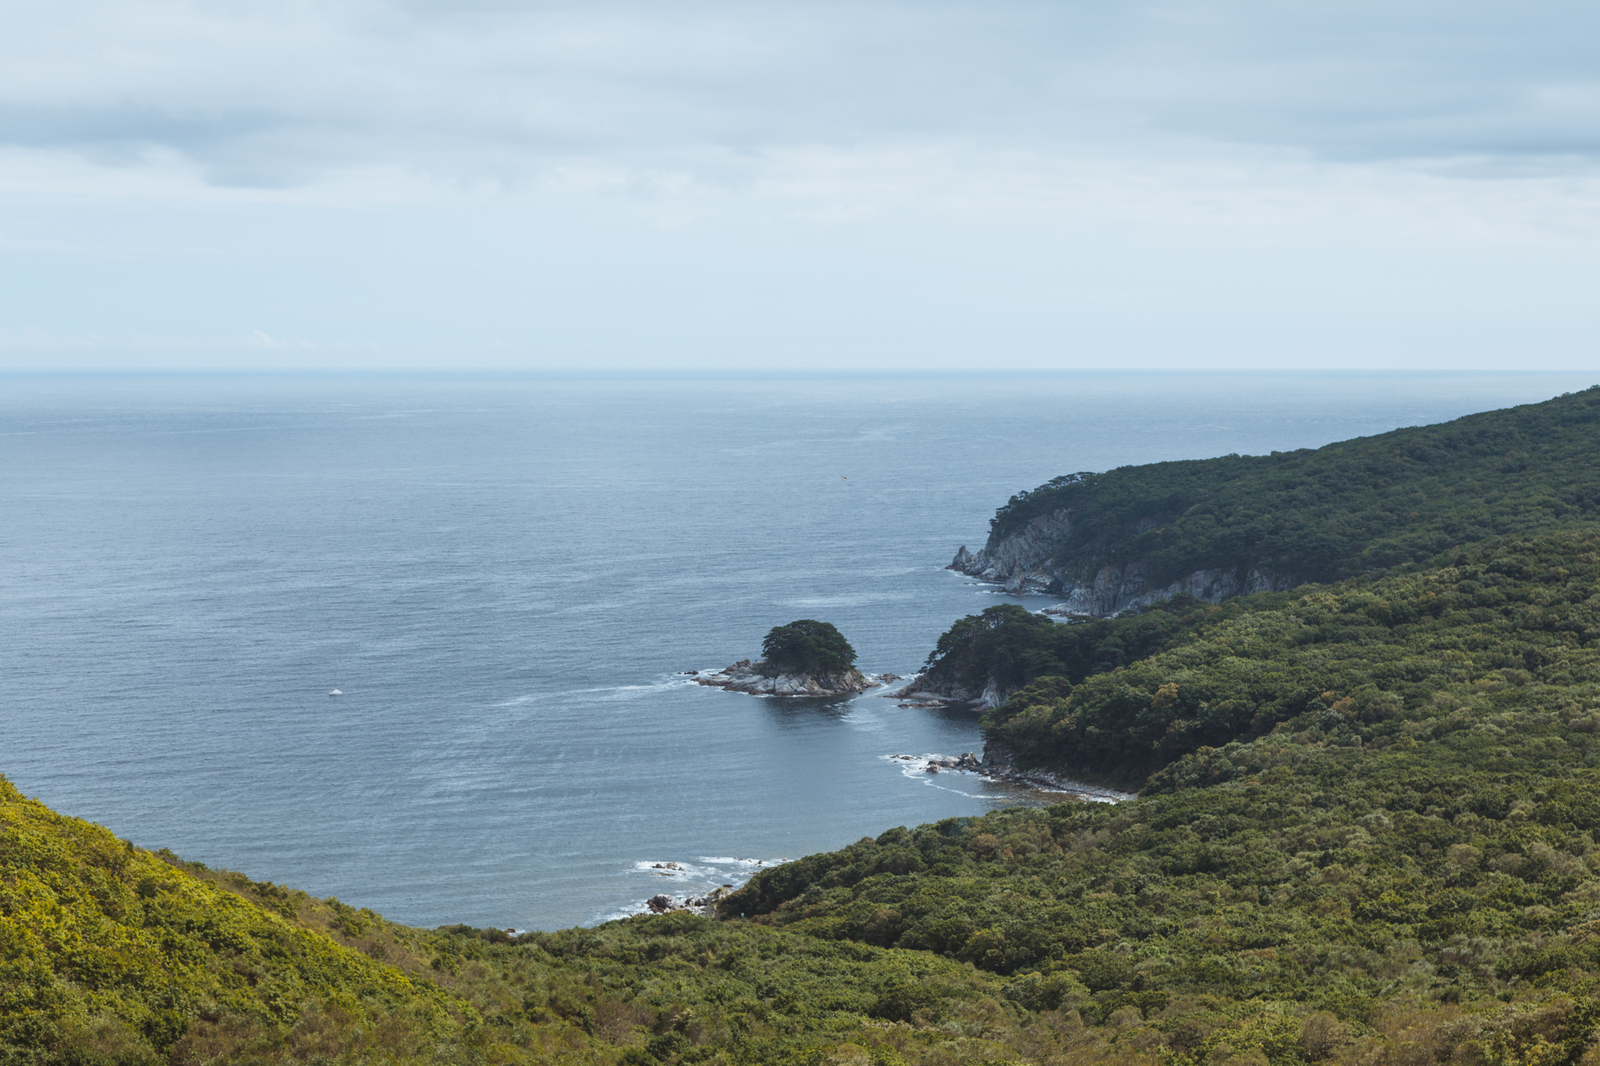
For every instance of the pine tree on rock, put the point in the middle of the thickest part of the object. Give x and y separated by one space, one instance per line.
806 647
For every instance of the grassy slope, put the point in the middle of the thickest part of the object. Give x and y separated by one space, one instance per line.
1338 511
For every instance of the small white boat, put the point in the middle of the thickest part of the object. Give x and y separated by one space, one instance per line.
336 692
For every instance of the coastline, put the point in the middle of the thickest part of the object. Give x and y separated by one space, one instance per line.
1001 771
1045 781
744 676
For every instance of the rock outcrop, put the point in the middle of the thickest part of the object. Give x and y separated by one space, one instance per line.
1028 560
751 677
998 765
1115 589
705 905
1019 560
923 690
939 763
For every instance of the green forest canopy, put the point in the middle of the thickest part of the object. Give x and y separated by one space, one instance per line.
1333 512
807 647
1365 801
1448 472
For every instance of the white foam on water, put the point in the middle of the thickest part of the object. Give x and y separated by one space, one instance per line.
683 879
852 599
750 864
915 767
714 868
603 692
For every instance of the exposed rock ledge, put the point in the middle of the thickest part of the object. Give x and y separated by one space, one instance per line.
921 691
939 763
746 676
1025 562
997 766
705 905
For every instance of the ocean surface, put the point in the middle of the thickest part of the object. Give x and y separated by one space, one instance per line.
505 579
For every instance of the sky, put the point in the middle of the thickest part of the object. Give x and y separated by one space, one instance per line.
940 185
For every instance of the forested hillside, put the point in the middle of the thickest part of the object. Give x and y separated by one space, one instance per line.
1305 513
113 955
1312 515
1369 835
1005 647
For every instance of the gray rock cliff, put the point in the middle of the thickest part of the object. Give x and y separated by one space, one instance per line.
923 687
1026 560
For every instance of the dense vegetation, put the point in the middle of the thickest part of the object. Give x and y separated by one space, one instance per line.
1374 809
110 949
1306 513
1334 512
1519 613
110 954
1007 646
808 647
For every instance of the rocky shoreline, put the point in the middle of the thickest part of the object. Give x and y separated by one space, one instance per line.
967 761
913 696
746 676
705 905
1023 563
1045 781
1001 770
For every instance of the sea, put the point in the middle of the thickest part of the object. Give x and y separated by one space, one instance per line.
506 578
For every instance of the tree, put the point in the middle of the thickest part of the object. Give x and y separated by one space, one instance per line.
807 647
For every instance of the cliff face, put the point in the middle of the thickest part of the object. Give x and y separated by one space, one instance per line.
927 686
1019 559
1029 560
1115 589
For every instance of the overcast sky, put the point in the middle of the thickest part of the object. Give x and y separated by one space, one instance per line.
1073 184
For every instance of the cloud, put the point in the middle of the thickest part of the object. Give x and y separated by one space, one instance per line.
705 183
284 93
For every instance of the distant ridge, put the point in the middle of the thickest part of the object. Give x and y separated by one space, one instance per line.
1213 528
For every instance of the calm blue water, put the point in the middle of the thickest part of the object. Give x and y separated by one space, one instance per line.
504 577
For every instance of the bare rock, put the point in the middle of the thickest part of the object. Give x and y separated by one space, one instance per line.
745 676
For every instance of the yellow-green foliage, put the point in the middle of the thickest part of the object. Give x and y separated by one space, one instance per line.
108 946
111 954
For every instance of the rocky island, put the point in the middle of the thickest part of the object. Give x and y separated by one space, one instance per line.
746 676
803 658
